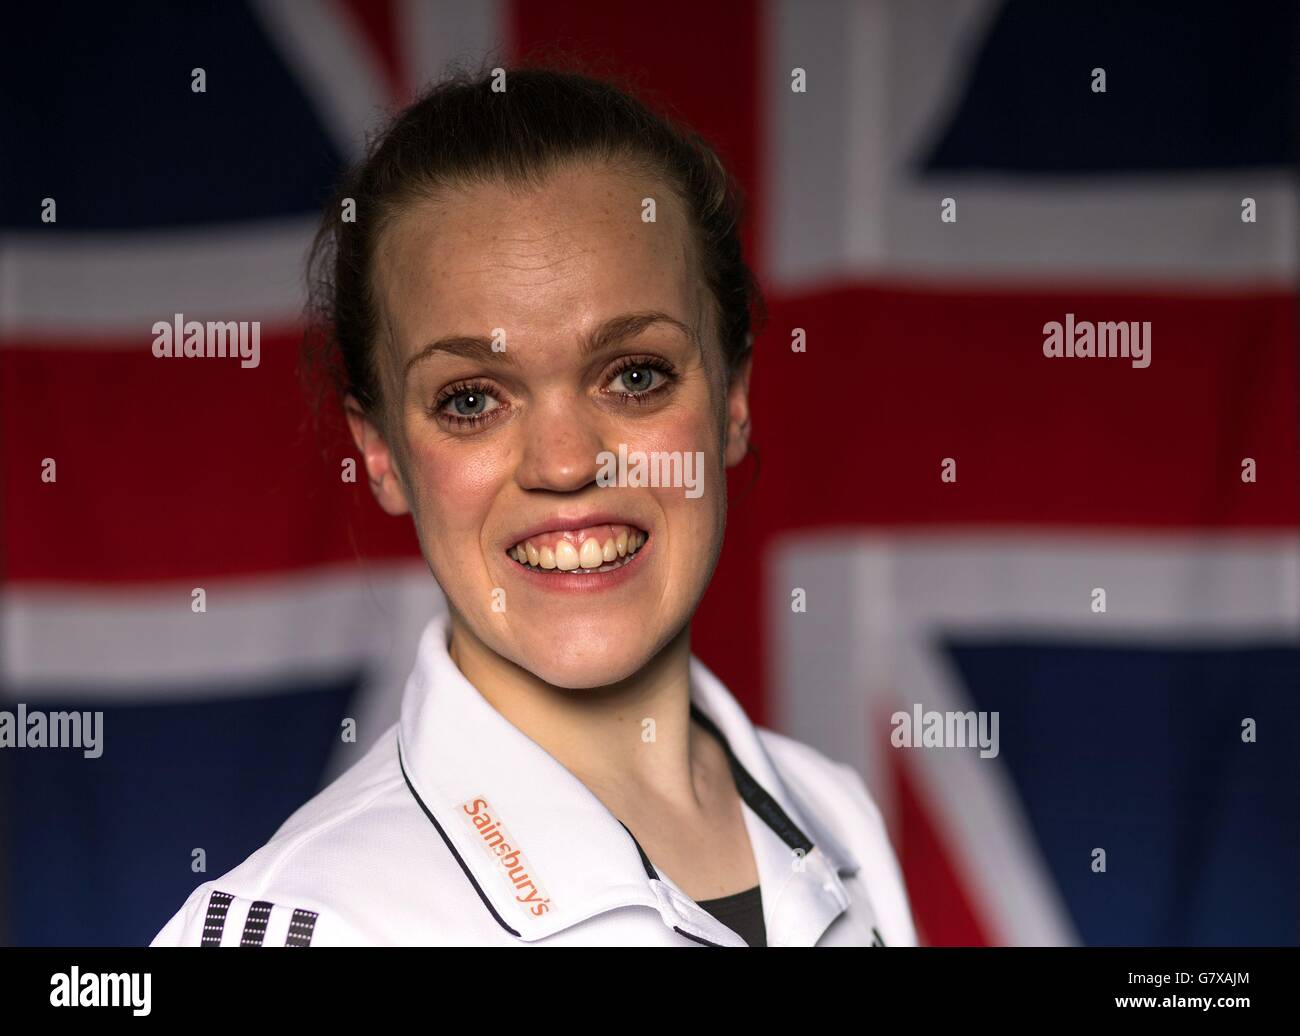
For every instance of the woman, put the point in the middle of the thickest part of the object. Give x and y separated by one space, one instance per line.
540 317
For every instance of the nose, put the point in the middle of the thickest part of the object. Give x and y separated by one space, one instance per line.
561 444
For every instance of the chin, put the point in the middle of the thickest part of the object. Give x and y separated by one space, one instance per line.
580 660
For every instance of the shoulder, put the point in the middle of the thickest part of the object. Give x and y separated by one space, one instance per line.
321 877
841 811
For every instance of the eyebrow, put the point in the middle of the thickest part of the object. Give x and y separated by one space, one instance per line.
610 333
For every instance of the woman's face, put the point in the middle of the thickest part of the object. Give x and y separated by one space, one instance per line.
531 337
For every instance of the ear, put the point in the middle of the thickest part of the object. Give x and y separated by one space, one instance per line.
380 467
738 412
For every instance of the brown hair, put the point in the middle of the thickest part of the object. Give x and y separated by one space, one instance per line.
461 131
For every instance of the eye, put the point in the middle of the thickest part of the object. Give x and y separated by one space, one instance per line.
471 403
465 406
638 377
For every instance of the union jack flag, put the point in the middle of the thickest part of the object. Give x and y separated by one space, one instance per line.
1168 196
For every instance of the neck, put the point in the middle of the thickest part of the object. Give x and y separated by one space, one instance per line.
624 741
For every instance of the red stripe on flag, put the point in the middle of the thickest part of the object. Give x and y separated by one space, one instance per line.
895 380
942 907
704 58
175 469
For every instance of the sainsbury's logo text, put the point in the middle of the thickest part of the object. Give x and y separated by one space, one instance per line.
500 847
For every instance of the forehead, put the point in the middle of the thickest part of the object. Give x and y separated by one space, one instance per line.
546 262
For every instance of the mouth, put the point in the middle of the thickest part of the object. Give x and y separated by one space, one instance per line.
589 551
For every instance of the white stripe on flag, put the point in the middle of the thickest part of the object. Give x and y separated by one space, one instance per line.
435 33
846 199
118 647
124 644
95 289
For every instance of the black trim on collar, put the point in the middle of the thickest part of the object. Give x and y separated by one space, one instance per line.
653 875
696 938
650 871
463 866
754 794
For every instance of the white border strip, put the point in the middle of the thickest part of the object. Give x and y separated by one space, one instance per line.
96 286
148 645
435 33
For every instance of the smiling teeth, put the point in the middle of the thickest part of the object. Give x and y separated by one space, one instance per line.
590 557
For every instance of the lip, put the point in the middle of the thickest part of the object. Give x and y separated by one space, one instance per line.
570 583
572 524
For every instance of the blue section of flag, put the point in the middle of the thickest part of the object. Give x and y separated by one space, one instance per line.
1139 751
97 112
1189 87
102 848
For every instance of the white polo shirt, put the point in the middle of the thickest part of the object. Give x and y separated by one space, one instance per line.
457 829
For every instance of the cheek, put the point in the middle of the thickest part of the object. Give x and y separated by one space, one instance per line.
689 431
454 488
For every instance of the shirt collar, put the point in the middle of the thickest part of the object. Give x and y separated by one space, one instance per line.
544 853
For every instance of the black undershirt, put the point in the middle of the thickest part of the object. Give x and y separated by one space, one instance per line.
742 913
